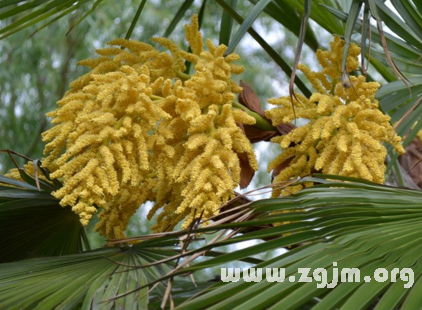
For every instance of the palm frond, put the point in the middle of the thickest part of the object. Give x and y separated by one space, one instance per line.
246 24
341 220
33 12
32 222
114 278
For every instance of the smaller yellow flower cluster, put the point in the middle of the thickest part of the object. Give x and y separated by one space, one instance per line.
29 169
346 130
330 60
136 129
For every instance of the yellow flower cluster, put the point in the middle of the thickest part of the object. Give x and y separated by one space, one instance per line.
419 134
136 129
346 130
30 170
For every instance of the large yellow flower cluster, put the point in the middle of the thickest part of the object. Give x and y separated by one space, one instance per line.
136 129
346 130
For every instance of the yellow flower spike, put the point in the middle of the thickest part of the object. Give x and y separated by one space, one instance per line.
216 162
335 58
317 128
58 143
295 136
198 166
228 179
295 168
122 162
353 130
194 37
240 116
346 130
325 103
376 170
323 80
337 164
312 157
225 136
356 157
197 141
348 167
397 142
326 154
344 141
313 78
205 103
175 51
242 145
360 89
228 117
114 217
134 46
338 114
203 123
29 169
328 128
322 57
371 144
290 152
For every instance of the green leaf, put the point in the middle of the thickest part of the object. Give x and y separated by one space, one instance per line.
9 2
302 35
289 18
38 226
410 14
398 26
354 11
226 25
17 183
33 12
318 13
178 16
90 11
135 19
247 24
363 225
111 278
32 222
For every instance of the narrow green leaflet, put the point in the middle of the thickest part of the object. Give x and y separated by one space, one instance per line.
43 13
114 278
226 25
246 24
382 232
33 224
289 18
178 16
318 13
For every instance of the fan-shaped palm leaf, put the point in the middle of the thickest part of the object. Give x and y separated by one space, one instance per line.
354 224
91 280
32 223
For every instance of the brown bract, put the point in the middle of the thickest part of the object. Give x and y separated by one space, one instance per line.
246 171
249 99
411 161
